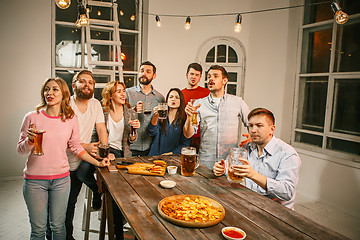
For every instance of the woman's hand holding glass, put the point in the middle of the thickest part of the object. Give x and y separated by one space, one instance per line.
31 133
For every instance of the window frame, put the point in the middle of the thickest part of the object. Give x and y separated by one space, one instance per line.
137 54
329 154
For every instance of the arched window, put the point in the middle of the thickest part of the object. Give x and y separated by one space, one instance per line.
228 53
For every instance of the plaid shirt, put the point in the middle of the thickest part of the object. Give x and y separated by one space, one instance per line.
220 126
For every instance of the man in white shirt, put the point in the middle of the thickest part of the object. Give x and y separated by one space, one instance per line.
90 114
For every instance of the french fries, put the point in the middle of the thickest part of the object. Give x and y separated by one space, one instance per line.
197 210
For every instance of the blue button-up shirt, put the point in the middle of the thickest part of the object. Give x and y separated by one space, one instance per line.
134 95
220 126
280 164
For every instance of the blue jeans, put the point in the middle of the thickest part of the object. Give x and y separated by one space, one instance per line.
42 196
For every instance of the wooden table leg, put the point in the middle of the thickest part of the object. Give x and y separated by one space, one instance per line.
103 220
110 215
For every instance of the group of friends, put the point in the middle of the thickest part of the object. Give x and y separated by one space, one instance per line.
76 125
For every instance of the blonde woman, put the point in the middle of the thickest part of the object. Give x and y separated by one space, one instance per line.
117 112
47 182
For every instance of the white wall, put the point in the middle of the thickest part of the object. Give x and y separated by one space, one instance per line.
25 63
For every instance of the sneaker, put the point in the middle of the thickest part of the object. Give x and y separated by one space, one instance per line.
96 201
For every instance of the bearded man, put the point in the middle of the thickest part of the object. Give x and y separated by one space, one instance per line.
144 97
90 114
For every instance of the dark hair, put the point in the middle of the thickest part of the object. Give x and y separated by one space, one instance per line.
149 64
180 114
76 76
262 112
221 68
195 66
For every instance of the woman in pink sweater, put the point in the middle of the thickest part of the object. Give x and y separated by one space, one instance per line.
47 182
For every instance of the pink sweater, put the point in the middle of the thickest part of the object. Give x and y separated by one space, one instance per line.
58 137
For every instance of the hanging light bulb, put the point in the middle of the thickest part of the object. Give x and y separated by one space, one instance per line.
187 23
83 20
340 16
63 4
99 13
157 19
121 13
132 18
237 27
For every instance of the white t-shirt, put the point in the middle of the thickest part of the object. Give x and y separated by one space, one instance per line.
116 131
87 120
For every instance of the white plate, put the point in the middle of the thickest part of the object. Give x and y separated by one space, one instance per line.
168 184
236 229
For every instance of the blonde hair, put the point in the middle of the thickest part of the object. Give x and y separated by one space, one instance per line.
107 93
66 112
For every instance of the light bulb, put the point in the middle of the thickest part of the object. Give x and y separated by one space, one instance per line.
77 23
121 13
340 16
63 4
132 18
83 20
99 13
187 24
237 27
157 19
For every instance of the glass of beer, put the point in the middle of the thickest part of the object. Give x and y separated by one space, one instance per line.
194 115
104 150
147 108
162 110
133 116
38 143
189 161
234 159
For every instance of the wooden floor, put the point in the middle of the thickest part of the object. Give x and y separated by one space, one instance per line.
14 223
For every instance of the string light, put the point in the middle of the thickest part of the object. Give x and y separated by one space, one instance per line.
187 23
121 13
157 19
63 4
237 27
83 20
340 16
99 13
132 18
123 56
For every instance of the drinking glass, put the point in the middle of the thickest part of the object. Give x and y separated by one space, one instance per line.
189 161
104 150
234 159
38 142
162 110
194 115
133 116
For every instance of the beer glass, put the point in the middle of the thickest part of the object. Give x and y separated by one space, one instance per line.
133 116
104 150
38 143
147 108
162 110
194 115
234 159
189 161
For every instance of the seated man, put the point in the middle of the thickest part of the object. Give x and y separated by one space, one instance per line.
272 167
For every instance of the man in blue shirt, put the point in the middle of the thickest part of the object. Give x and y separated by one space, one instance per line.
272 167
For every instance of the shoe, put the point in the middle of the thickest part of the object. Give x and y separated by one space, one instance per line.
96 201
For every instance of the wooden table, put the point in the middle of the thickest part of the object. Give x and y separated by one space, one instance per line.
138 196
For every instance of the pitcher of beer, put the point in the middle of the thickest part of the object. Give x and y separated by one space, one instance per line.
189 161
234 159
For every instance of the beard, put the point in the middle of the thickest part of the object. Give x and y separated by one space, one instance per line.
81 94
144 80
